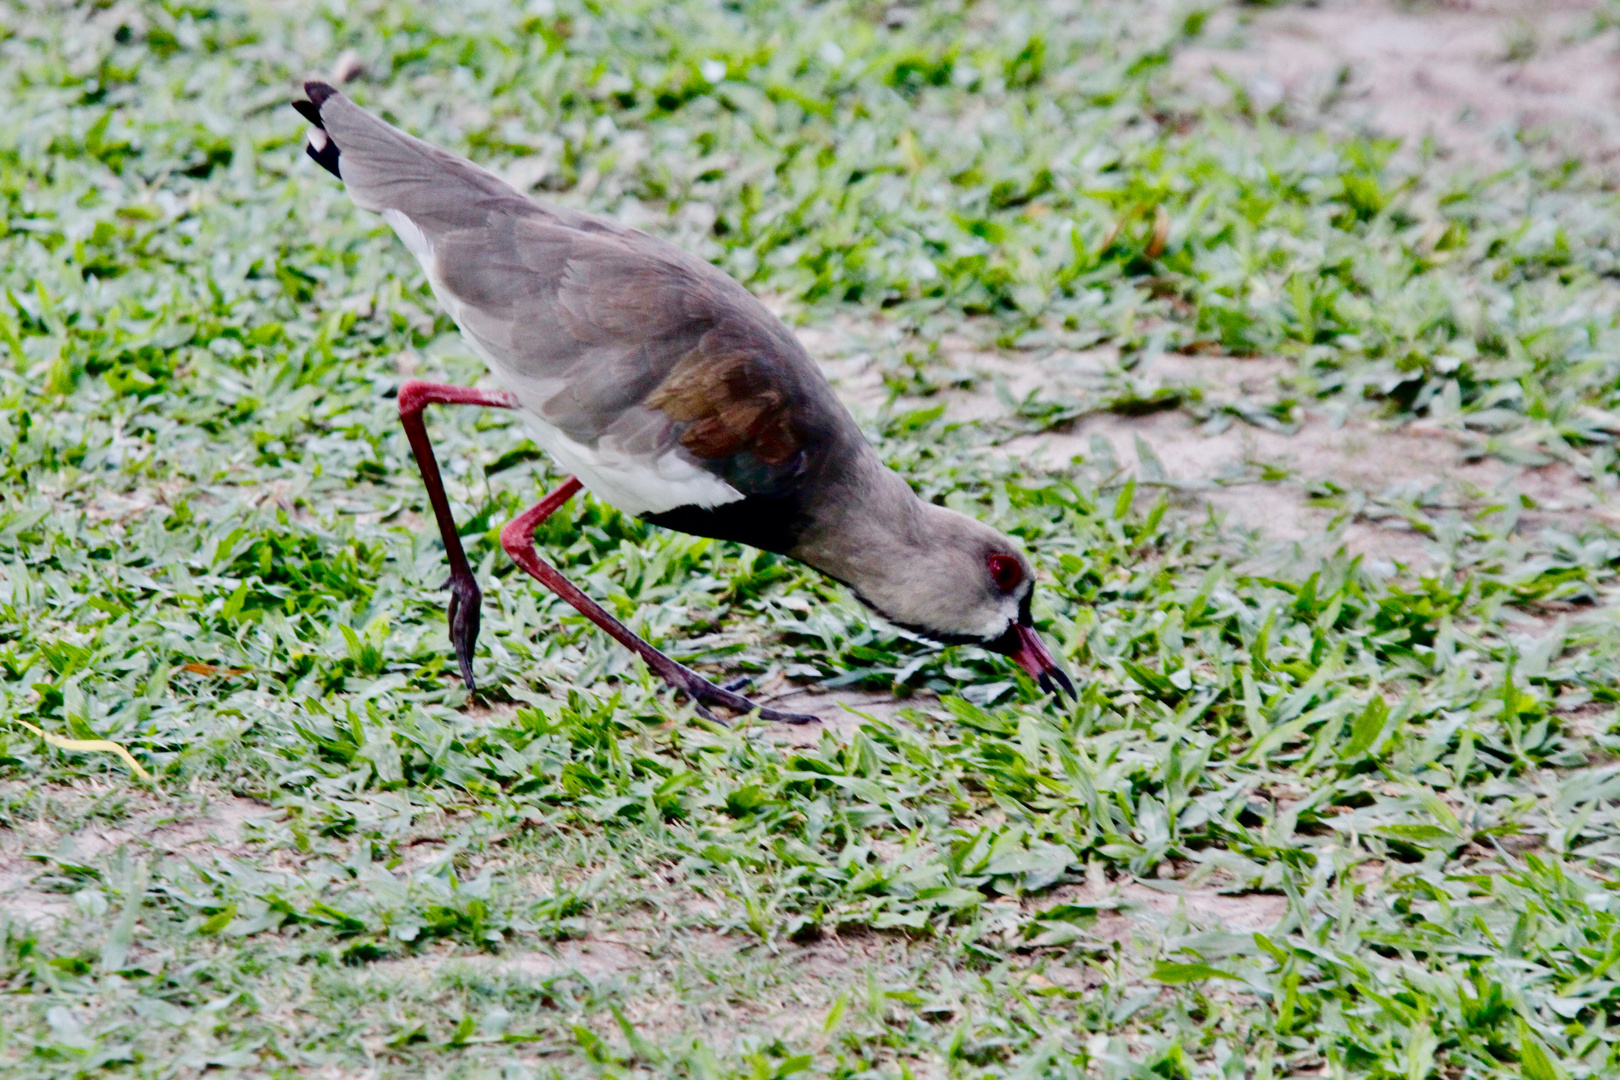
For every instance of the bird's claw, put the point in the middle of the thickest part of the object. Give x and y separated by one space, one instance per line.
704 693
797 719
466 600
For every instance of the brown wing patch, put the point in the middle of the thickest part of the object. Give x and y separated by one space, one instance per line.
728 408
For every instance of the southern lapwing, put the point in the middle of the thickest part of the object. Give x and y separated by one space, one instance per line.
667 389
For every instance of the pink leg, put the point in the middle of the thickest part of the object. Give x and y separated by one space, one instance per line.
465 596
518 540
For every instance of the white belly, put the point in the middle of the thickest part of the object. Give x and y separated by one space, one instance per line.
637 485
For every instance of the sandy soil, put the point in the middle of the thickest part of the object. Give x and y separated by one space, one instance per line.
151 825
1484 81
841 711
1394 480
1133 920
1128 910
1482 78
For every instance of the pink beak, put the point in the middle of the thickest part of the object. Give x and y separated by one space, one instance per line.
1034 657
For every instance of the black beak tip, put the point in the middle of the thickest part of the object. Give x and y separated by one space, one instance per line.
1056 681
1029 652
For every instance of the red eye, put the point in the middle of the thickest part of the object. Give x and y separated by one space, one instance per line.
1006 571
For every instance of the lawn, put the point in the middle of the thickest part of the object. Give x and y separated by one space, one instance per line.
1317 812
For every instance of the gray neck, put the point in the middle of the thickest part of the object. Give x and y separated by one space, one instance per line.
864 528
923 566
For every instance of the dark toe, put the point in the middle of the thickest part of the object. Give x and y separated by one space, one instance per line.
703 692
464 610
796 718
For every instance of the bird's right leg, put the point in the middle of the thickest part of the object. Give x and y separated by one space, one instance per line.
518 540
465 596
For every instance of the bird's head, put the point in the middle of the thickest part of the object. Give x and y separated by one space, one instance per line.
963 583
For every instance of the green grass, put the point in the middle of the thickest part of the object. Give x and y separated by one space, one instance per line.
212 551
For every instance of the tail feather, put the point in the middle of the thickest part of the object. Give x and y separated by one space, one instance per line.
386 169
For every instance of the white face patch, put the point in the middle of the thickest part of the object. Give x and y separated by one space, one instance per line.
1006 613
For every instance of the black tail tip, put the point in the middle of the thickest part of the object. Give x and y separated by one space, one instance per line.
325 156
321 149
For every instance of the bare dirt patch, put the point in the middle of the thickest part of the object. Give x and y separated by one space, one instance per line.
1126 909
1473 75
30 845
668 978
1371 486
592 959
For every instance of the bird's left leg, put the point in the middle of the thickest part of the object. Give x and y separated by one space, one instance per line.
518 540
465 596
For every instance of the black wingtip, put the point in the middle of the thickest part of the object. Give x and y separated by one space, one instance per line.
318 91
321 149
310 111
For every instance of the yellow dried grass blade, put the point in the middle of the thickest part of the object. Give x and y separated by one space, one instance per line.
92 745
